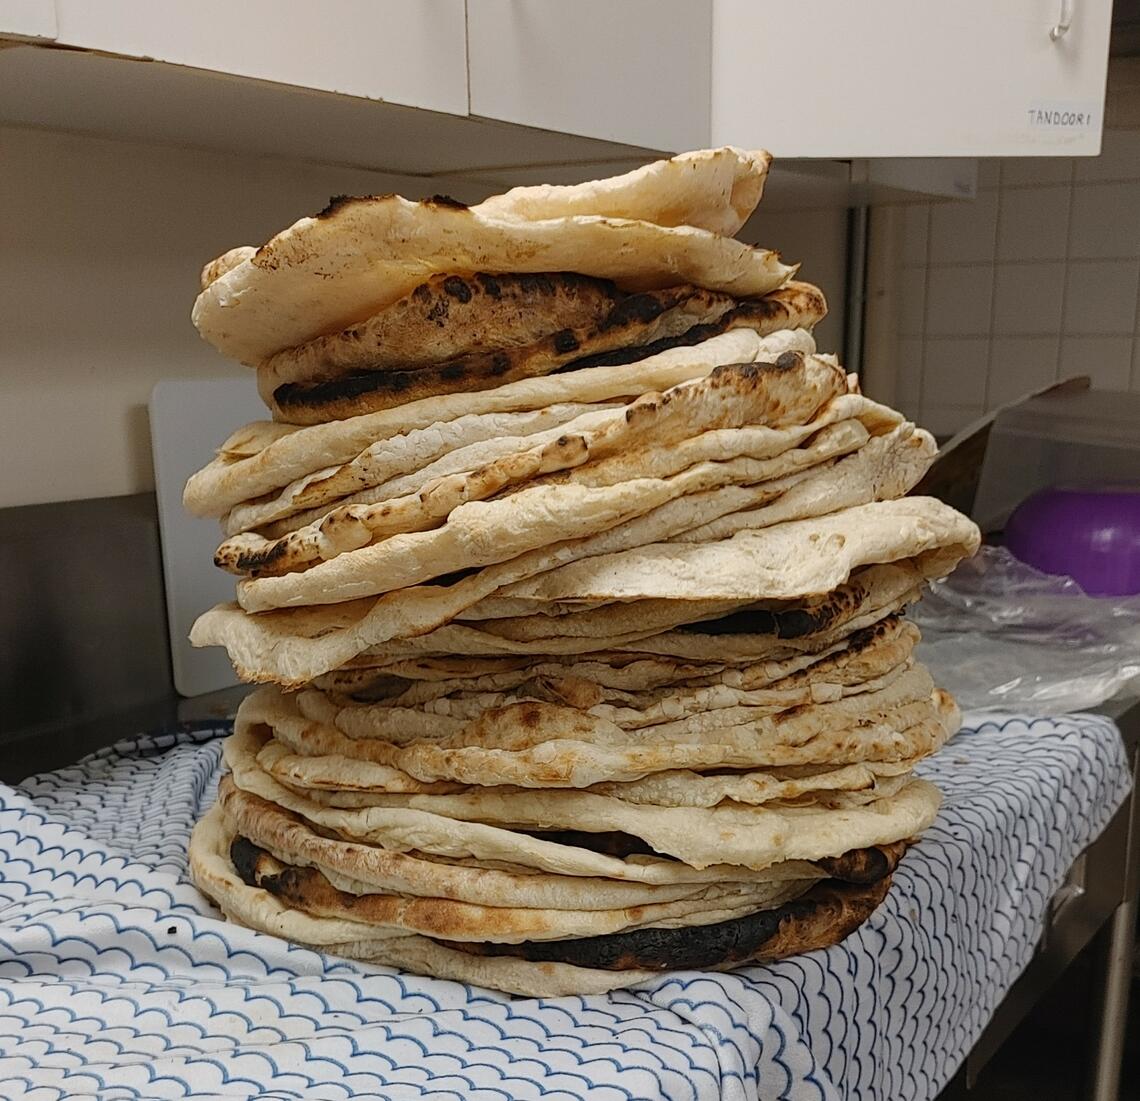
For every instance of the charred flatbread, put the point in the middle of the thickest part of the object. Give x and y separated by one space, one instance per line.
361 371
825 915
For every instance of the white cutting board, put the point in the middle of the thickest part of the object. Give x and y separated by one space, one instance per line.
189 418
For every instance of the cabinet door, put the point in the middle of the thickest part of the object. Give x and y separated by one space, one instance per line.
909 78
27 18
404 51
632 71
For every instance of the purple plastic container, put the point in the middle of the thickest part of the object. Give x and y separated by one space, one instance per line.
1089 534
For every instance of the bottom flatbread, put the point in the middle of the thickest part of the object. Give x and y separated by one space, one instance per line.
824 916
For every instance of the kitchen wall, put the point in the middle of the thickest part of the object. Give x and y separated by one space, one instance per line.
1036 279
102 244
817 241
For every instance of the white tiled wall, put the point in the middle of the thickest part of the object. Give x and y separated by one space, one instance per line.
1036 279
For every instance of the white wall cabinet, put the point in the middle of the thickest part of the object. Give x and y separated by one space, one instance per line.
813 78
495 92
632 71
411 52
28 19
911 78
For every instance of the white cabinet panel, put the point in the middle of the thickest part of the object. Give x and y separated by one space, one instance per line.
28 18
634 71
909 78
405 51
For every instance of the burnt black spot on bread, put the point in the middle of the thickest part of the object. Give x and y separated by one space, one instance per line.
457 288
491 286
640 308
244 855
864 865
257 868
537 283
445 201
255 562
565 342
383 686
439 312
447 579
337 203
866 636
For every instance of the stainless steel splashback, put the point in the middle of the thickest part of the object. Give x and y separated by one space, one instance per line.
82 618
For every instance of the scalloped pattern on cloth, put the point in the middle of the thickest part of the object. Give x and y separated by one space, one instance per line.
117 981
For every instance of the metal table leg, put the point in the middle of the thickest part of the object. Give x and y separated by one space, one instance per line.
1114 1003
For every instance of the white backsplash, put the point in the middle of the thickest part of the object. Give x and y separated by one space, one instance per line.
1036 279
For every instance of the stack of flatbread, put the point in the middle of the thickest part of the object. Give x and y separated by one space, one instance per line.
573 576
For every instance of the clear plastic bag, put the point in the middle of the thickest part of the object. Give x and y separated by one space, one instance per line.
1002 636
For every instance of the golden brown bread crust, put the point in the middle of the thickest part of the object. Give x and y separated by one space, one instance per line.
445 317
572 323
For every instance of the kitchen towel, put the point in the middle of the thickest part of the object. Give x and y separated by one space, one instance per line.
117 980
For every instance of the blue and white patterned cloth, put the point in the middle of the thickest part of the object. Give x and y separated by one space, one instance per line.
117 982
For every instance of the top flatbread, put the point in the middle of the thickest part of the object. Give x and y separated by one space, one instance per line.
713 189
324 273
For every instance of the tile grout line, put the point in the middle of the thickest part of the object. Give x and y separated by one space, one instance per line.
1076 261
921 396
1035 334
1132 379
993 296
1065 280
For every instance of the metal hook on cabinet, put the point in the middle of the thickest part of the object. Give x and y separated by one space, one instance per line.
1064 21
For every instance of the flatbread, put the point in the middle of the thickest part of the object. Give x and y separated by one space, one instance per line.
829 914
596 678
778 562
487 825
325 273
215 876
446 317
419 454
656 436
354 372
823 916
350 783
380 675
548 875
263 457
293 646
713 189
311 891
795 558
405 465
446 707
543 745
